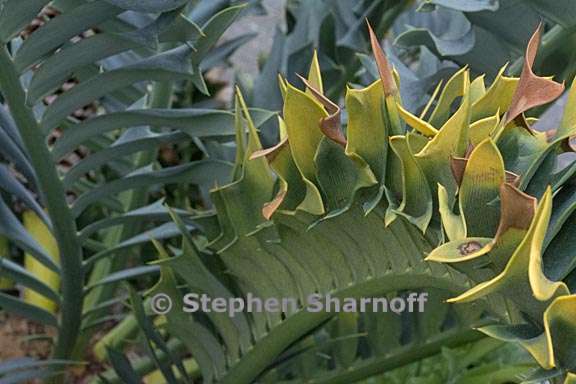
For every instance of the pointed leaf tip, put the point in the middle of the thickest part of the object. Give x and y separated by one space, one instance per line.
517 209
384 69
315 74
330 125
270 153
269 208
532 90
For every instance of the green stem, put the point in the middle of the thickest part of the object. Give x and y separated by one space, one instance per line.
54 198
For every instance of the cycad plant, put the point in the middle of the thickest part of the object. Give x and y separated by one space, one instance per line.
87 90
465 201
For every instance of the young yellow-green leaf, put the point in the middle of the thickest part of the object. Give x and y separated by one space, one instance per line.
253 141
416 203
560 326
542 288
477 89
460 250
315 75
454 224
455 87
302 115
415 122
451 141
497 98
256 172
523 280
252 186
483 128
38 230
368 134
292 188
483 175
431 100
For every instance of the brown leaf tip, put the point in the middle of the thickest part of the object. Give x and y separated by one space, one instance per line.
532 90
384 69
271 152
516 209
269 208
330 125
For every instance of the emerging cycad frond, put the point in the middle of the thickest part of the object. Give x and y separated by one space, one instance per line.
460 198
